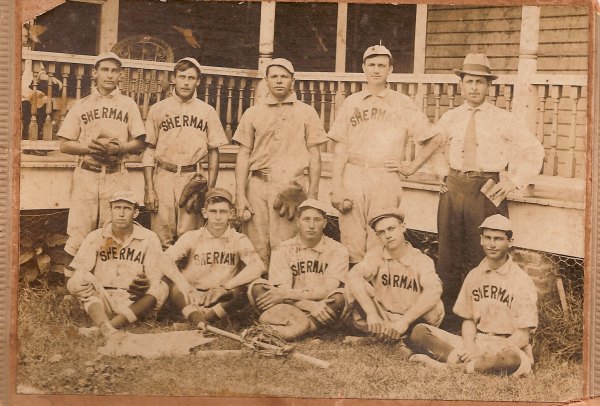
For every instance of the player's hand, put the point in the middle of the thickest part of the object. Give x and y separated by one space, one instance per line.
502 188
151 200
443 186
270 298
340 201
396 329
375 325
469 352
196 297
83 291
213 295
405 168
241 205
114 147
323 313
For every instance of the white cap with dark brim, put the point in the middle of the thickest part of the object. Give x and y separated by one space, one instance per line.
313 204
108 55
376 50
125 195
284 63
192 61
394 212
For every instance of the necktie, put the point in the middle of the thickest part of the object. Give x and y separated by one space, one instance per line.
470 145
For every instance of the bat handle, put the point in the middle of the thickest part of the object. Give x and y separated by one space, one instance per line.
311 360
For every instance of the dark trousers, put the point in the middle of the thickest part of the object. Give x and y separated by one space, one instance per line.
461 211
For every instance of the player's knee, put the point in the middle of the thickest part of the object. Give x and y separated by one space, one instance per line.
508 360
419 334
338 303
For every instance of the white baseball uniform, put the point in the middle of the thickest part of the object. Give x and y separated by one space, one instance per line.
113 114
182 133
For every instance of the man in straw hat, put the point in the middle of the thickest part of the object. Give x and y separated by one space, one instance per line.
481 140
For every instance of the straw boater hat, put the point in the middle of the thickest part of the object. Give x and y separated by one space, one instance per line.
476 64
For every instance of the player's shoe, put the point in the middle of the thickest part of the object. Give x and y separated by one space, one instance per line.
424 359
106 329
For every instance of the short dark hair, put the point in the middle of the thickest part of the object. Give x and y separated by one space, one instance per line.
509 233
185 65
217 199
374 55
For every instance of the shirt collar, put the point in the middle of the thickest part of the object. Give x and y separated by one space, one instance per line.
115 92
320 247
382 94
137 232
290 99
405 258
485 106
503 270
207 234
194 96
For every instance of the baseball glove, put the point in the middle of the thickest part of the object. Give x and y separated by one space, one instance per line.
197 185
138 287
105 150
288 199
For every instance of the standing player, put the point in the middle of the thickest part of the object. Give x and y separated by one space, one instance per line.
370 133
481 141
305 274
118 269
278 140
101 129
221 262
498 304
180 131
395 286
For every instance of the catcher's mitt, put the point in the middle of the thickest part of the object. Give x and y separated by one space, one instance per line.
194 190
288 200
138 287
105 150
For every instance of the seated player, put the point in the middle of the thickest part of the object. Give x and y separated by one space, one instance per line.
118 268
498 302
306 273
220 264
394 286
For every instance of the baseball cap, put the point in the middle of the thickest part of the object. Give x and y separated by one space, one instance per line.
314 204
219 192
193 61
476 64
284 63
125 195
395 212
376 50
107 55
497 222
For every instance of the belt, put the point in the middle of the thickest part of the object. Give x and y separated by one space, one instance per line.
167 166
471 174
100 168
493 334
365 164
264 176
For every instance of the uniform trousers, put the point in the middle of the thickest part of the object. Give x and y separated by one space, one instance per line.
461 211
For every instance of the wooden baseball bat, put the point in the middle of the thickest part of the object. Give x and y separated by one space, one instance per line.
303 357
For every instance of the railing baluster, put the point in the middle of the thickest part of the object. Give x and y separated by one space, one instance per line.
302 88
508 91
425 101
228 112
47 129
218 96
160 78
33 125
322 101
252 90
542 96
574 95
207 88
412 91
437 95
80 70
240 109
147 74
66 70
555 94
332 91
452 89
493 93
311 88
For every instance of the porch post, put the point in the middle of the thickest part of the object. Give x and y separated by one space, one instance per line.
420 39
340 42
525 95
109 25
267 33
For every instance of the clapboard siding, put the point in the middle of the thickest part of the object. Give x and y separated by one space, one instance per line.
453 32
563 40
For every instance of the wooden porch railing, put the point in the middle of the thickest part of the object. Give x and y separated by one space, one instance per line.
561 110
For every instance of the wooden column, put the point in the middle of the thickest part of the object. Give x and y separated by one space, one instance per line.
109 25
525 95
340 42
265 45
420 39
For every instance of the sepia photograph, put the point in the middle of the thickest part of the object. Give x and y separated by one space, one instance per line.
303 200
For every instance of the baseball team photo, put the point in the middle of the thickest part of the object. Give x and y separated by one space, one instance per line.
312 200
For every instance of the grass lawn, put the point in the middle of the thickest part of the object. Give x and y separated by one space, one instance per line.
52 358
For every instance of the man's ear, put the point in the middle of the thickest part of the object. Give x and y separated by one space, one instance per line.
136 212
204 212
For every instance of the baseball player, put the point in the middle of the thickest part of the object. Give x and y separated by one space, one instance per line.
394 286
498 305
180 131
370 133
221 263
118 269
481 140
278 140
101 129
305 276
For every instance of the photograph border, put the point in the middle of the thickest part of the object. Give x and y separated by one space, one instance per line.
10 56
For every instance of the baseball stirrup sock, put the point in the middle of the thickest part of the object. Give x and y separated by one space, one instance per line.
427 343
505 361
189 309
129 315
219 311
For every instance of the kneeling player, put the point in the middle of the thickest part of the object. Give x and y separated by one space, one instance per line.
498 302
118 268
220 264
396 285
305 276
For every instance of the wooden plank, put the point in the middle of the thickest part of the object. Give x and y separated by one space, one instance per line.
562 50
568 35
476 26
511 37
447 64
458 50
564 11
486 13
563 22
557 64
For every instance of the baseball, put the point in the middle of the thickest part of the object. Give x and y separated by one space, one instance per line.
347 205
246 215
